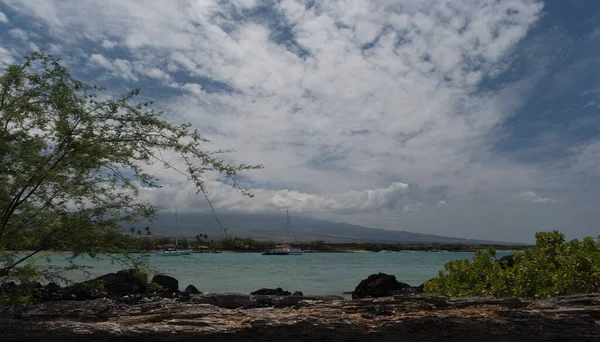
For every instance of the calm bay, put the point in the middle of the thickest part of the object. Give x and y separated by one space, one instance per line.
311 273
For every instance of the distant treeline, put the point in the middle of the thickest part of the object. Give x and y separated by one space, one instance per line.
142 243
321 245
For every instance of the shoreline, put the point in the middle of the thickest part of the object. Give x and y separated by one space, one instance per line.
49 253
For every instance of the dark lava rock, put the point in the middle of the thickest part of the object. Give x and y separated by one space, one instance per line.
84 291
51 291
297 293
382 285
507 261
123 282
53 288
372 312
9 287
191 289
410 318
271 292
170 284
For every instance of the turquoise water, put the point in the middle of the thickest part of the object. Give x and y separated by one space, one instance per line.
313 274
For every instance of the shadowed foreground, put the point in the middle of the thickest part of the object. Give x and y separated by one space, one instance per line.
237 317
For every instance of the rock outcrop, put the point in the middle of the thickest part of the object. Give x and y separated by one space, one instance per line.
123 282
129 284
271 292
213 318
168 283
191 289
382 285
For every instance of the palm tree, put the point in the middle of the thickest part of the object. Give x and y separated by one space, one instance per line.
132 230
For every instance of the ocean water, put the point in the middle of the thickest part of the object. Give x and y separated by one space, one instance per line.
311 273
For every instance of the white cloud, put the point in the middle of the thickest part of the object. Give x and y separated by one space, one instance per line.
3 18
533 197
125 69
6 57
118 67
288 110
108 44
587 159
151 71
351 95
101 61
226 198
19 34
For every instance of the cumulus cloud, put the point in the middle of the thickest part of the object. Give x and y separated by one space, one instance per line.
3 18
344 102
108 44
118 67
101 61
226 198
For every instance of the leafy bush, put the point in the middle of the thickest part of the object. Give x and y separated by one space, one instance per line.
552 267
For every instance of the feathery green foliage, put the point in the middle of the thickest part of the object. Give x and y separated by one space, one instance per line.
72 162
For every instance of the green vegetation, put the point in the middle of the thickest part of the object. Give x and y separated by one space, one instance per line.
72 161
552 267
240 245
320 246
397 247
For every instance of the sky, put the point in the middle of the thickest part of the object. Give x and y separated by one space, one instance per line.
466 118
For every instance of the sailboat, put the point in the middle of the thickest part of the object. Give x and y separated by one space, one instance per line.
174 251
284 248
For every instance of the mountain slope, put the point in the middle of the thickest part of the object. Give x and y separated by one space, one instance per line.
305 229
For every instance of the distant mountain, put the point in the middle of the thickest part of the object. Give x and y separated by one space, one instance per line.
305 229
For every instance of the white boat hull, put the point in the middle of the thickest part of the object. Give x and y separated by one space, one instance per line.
283 251
177 253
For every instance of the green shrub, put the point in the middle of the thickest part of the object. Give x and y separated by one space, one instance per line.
550 268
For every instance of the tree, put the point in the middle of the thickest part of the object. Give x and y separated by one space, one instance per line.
73 159
319 245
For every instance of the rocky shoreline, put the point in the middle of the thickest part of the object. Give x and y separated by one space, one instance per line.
239 317
123 306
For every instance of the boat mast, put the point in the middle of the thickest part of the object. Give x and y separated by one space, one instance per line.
289 222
